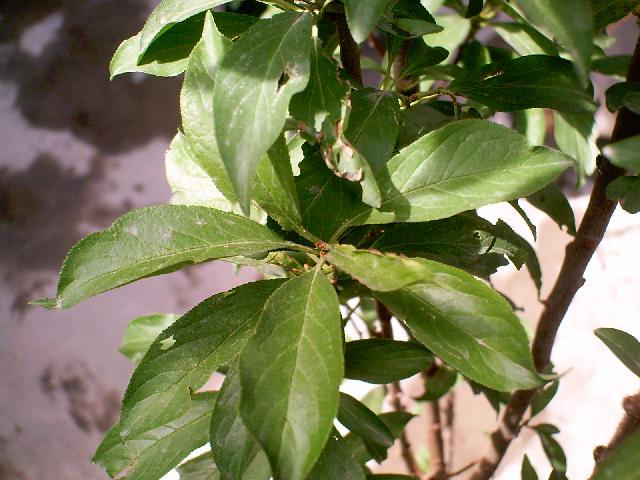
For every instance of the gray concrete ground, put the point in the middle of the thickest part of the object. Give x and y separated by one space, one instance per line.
76 151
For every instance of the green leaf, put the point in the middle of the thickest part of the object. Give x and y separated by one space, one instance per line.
454 33
186 354
527 472
438 385
474 8
456 241
153 241
372 129
532 124
336 462
625 94
323 96
190 183
199 468
167 56
623 345
141 332
389 476
237 454
554 452
525 39
275 188
625 153
575 134
290 373
196 104
378 271
419 120
552 201
467 324
459 167
382 361
363 422
546 429
171 12
606 12
326 200
232 25
571 24
255 82
421 56
615 65
623 463
525 82
153 452
363 16
543 397
363 452
626 190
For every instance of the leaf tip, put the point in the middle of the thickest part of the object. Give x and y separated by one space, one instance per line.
50 303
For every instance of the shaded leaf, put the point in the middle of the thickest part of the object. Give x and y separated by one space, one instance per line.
626 190
323 96
169 13
625 94
336 462
474 8
527 472
456 241
395 422
152 241
552 201
185 355
237 454
363 422
526 82
295 355
438 384
606 12
571 24
275 188
623 345
232 25
616 65
153 452
543 397
383 361
372 129
257 78
554 452
419 120
141 332
166 57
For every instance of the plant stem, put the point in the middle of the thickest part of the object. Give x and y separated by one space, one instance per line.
349 49
629 424
396 394
435 443
569 281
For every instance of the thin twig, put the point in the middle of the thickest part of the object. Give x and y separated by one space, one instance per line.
569 281
396 394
